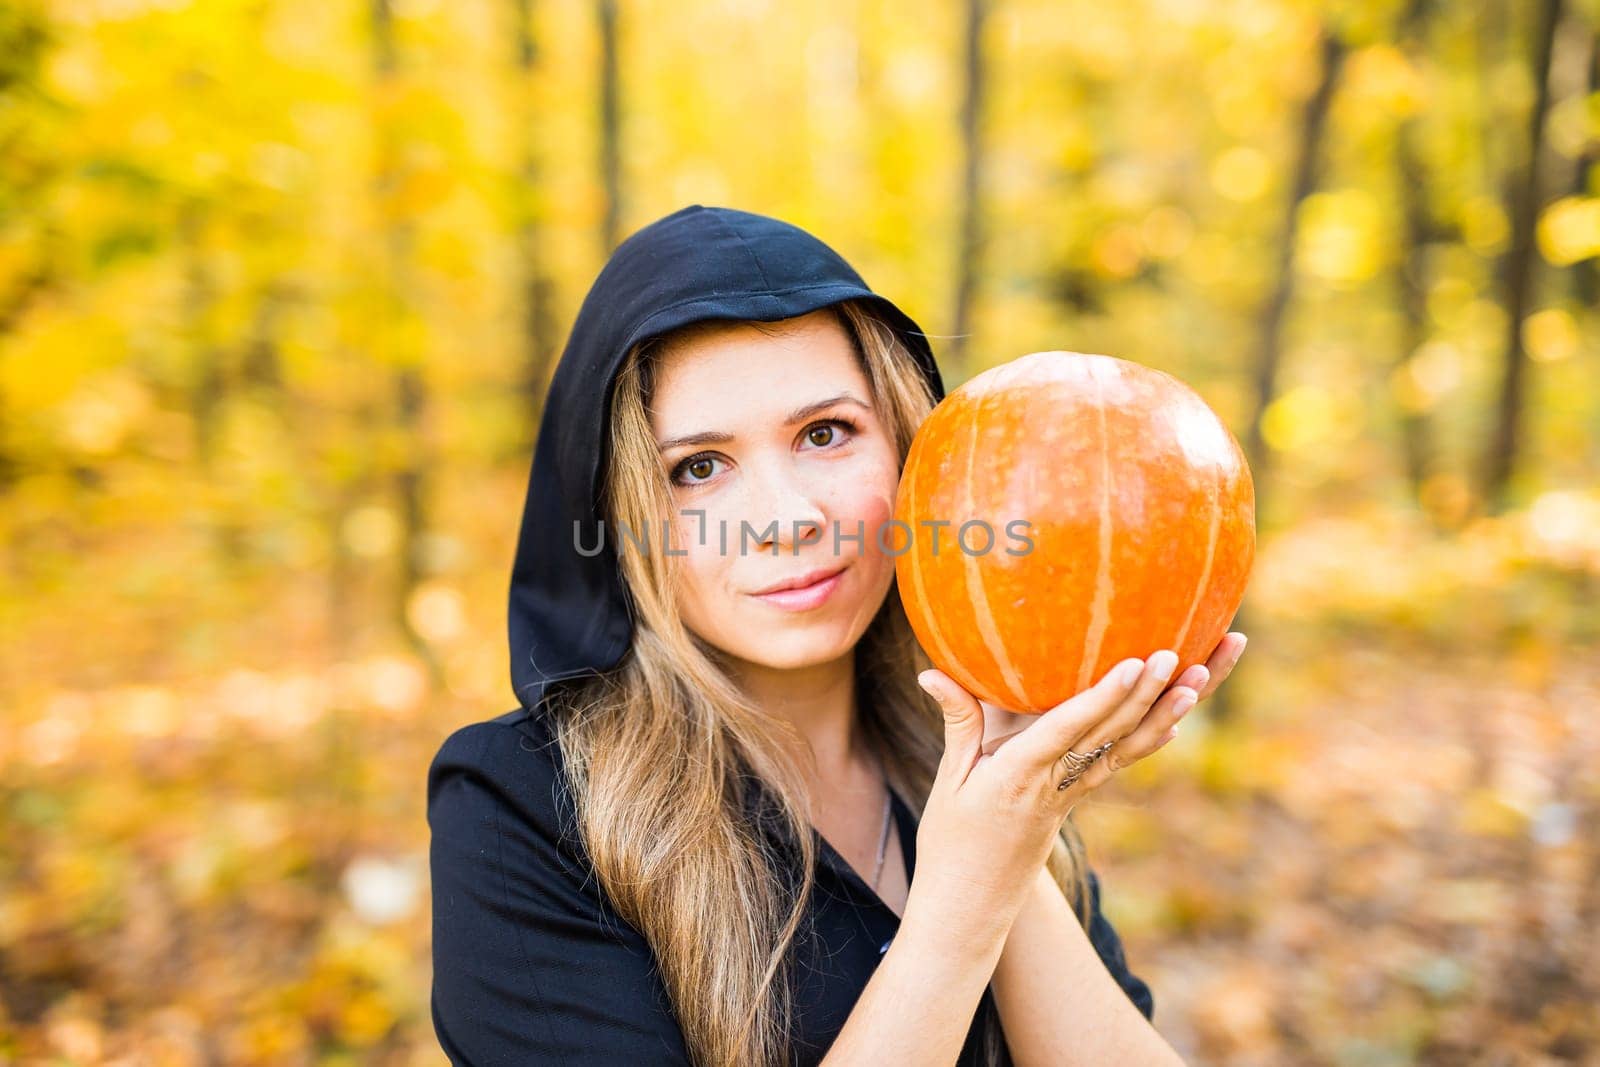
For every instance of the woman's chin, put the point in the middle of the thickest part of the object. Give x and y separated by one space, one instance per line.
794 651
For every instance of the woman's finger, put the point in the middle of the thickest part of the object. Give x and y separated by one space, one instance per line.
1101 770
1090 718
1152 732
1123 721
963 723
1223 659
1160 725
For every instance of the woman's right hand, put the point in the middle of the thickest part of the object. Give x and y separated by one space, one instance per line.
990 820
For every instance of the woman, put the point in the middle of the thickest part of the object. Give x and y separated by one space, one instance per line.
725 825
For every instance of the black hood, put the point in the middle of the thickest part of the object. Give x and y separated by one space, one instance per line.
569 613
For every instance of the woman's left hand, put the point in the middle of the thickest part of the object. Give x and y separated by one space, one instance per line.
1154 730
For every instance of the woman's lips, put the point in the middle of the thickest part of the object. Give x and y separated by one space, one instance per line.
806 597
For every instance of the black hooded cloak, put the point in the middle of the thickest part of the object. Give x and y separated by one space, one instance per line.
532 965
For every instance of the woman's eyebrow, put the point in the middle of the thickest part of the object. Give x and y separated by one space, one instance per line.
799 414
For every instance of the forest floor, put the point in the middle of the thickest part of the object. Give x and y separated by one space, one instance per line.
1400 866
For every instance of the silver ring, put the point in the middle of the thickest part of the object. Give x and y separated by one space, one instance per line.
1077 763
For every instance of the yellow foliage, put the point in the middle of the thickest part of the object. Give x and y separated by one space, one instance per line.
1569 230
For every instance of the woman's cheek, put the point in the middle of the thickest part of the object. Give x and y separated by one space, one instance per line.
703 595
863 526
872 503
702 560
701 532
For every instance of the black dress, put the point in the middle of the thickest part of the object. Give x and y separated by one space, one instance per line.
532 965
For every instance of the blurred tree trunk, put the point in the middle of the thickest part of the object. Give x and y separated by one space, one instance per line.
1585 283
970 245
14 304
610 152
1519 266
1313 126
411 472
209 387
212 384
27 178
1415 429
538 338
262 365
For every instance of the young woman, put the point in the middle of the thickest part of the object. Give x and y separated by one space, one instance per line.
727 825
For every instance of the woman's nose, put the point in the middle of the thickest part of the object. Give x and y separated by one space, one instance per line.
781 496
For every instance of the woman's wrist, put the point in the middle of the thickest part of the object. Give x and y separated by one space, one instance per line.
919 1003
1041 888
973 923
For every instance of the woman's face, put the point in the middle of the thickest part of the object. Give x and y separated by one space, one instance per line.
757 429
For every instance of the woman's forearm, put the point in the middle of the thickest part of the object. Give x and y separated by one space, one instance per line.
1057 1002
919 1004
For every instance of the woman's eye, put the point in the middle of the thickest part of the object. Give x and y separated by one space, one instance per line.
697 470
824 434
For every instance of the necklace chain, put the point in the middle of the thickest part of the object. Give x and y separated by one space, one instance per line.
883 841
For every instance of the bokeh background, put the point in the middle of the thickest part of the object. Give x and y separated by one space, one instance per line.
281 282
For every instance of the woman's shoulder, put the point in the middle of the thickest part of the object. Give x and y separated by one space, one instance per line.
512 763
513 736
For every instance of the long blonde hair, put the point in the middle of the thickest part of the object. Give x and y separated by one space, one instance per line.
662 750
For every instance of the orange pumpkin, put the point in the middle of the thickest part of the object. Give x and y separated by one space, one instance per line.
1120 515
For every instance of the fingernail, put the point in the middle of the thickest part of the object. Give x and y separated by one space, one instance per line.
1181 708
1131 671
1164 662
